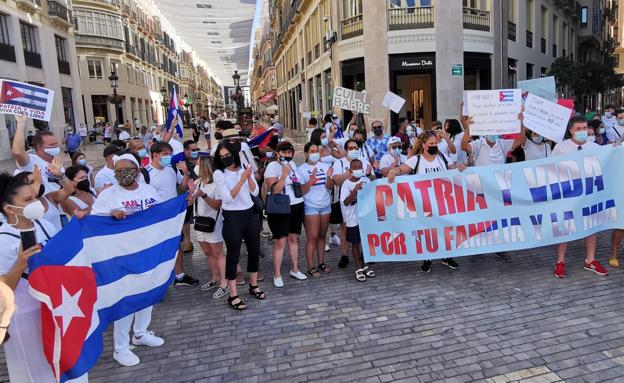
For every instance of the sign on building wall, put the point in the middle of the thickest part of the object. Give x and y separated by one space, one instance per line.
457 70
350 99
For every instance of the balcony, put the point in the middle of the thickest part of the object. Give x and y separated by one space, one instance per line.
543 45
410 18
511 31
351 27
99 41
7 52
476 19
64 67
131 49
59 12
529 39
29 5
32 59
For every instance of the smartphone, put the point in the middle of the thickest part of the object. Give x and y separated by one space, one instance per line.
29 239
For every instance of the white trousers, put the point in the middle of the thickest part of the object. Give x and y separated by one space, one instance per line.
121 328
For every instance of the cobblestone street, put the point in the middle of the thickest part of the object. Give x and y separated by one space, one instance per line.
487 321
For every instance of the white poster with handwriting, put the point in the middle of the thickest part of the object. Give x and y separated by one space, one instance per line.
546 118
494 111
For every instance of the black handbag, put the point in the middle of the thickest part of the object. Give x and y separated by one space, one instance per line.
205 224
278 203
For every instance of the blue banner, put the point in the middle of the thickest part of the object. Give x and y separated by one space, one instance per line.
493 208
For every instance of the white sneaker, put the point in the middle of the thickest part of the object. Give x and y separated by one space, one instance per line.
278 282
334 240
148 339
298 275
126 358
326 247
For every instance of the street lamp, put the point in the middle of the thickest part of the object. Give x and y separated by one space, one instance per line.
239 99
236 78
115 99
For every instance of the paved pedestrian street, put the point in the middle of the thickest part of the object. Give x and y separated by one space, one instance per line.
488 321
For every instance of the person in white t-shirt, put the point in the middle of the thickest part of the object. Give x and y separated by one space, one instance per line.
124 135
46 148
83 132
615 133
609 119
282 177
124 198
348 201
412 131
535 146
207 132
577 129
316 184
167 183
426 159
393 159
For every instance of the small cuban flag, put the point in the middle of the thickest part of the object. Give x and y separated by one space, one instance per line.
174 111
506 96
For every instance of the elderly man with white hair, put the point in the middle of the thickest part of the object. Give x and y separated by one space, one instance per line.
126 197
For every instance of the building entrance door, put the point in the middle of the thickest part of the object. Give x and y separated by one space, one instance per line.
416 90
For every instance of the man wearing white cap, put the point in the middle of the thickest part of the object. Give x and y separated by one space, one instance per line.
393 159
126 197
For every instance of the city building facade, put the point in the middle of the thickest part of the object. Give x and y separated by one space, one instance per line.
37 46
263 79
426 51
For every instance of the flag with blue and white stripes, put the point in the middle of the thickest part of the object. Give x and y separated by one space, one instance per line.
98 270
175 111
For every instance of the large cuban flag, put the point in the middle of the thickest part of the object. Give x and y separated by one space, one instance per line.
175 111
98 270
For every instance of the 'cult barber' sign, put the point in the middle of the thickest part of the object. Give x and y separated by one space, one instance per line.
349 99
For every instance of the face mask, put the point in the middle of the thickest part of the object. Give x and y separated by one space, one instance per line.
194 155
126 177
218 136
537 139
608 114
351 133
269 154
354 154
601 130
314 157
157 137
581 136
165 161
33 211
621 122
84 185
378 131
357 173
227 161
82 162
410 132
325 141
196 170
591 138
52 151
142 153
396 151
433 150
493 138
327 159
286 159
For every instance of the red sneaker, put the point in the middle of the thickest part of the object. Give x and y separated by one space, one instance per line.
560 270
596 267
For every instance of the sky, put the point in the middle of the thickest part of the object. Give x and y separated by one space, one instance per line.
257 16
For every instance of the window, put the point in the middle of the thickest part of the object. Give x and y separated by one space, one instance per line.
98 24
61 52
129 74
95 69
529 71
584 16
29 37
4 30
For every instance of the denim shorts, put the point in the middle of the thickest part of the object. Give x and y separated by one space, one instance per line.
309 210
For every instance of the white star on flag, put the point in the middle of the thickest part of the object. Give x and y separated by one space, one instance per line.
9 92
68 309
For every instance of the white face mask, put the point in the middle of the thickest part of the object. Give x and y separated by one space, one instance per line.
196 169
357 173
52 151
33 211
591 138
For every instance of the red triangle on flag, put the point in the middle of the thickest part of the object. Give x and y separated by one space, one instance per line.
9 92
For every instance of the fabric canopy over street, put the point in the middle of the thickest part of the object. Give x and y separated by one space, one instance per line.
268 97
219 31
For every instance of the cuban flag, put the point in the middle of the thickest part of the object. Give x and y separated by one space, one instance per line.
24 95
506 96
261 140
95 272
175 111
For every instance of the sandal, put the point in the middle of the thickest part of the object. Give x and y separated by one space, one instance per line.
369 273
324 268
359 275
236 306
314 273
259 294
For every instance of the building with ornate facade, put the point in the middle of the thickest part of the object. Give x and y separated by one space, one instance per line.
263 79
37 47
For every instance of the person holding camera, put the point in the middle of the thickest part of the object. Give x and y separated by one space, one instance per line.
285 221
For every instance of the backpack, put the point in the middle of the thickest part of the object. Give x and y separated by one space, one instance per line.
415 170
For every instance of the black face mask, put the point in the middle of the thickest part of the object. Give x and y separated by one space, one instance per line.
433 150
84 185
41 191
218 136
378 131
287 159
236 146
227 161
